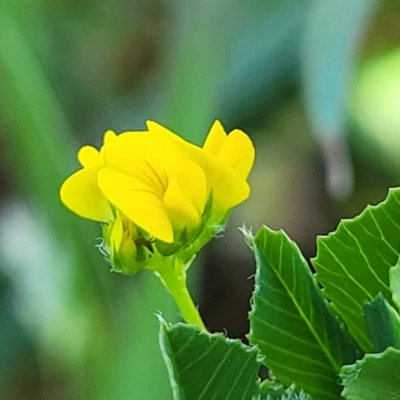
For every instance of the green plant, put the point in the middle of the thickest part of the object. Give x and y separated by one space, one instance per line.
338 342
158 211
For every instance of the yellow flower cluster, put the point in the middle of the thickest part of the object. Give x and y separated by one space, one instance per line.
156 192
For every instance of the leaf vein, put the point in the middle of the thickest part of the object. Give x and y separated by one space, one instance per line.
366 259
285 333
297 355
239 374
215 373
198 358
344 269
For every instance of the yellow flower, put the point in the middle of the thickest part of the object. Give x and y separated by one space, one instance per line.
170 190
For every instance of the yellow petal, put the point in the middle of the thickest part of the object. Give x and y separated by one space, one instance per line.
228 188
186 197
181 212
238 152
183 151
109 136
151 159
81 194
215 139
192 181
160 130
138 201
88 156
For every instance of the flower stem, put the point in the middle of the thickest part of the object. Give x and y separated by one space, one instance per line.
174 279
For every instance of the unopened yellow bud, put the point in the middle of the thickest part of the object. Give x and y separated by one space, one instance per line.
120 247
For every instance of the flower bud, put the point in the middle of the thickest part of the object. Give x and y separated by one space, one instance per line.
120 248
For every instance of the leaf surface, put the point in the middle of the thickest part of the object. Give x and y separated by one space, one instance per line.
353 262
292 323
374 377
204 366
394 281
383 323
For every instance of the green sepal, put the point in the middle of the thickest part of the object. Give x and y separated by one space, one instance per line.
167 249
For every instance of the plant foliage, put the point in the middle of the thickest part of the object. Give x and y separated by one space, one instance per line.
203 366
292 323
376 376
353 262
316 333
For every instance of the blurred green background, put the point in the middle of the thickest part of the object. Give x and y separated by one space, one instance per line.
315 83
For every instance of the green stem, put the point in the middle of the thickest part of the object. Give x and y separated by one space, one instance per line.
174 279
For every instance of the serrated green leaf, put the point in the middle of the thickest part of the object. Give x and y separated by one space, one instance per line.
383 323
204 366
353 262
292 323
275 391
271 388
374 377
394 283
